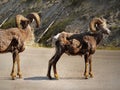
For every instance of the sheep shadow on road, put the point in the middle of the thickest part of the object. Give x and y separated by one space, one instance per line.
37 78
46 78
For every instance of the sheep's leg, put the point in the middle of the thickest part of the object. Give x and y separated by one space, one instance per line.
18 66
56 58
13 74
90 67
49 68
55 71
86 66
15 54
53 62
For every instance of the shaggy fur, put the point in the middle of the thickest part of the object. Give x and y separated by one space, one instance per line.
79 44
13 40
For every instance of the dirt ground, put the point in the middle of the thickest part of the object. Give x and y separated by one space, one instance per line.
34 64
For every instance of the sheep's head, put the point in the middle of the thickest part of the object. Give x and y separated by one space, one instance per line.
34 16
22 21
99 24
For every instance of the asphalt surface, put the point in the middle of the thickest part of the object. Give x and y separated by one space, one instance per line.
34 64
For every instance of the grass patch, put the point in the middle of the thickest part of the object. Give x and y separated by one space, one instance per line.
9 24
56 28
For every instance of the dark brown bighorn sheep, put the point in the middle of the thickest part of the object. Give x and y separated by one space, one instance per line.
13 40
79 44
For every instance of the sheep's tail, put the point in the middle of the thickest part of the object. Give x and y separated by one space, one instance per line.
56 36
34 16
62 37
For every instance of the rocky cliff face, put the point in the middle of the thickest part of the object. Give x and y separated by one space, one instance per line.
78 13
69 15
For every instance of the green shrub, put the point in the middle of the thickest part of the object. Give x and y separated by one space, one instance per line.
56 28
10 23
75 2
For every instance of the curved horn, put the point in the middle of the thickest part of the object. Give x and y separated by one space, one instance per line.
35 16
94 22
19 19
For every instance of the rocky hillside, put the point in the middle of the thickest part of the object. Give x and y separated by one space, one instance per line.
68 15
78 13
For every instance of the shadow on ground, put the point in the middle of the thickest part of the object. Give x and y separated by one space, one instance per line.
37 78
61 78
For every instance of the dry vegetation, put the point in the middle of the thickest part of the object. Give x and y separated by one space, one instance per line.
75 17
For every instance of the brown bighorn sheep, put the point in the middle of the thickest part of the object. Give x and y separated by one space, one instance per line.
13 40
79 44
20 18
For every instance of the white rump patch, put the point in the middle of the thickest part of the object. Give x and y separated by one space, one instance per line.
56 36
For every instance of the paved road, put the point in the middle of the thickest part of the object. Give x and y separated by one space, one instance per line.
34 61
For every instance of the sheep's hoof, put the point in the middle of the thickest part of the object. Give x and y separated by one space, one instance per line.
13 76
56 76
49 76
91 75
19 74
86 76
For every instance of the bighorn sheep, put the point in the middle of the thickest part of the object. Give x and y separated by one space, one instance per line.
79 44
13 40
